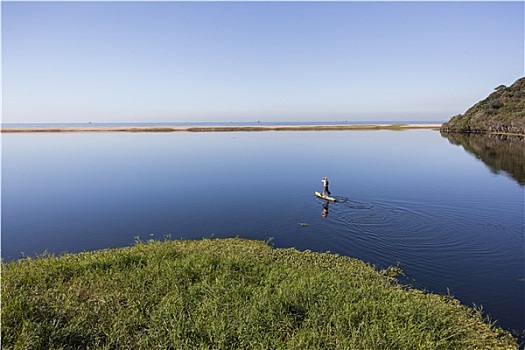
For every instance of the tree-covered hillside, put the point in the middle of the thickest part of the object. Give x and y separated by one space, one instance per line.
503 111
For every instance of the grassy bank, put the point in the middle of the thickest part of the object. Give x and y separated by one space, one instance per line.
226 294
223 128
306 127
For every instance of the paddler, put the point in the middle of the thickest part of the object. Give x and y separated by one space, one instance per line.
325 187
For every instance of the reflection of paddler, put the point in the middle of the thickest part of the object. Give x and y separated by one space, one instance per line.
324 213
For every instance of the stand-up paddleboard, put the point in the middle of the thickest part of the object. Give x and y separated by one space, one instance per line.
320 195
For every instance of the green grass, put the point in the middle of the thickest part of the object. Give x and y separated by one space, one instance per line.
226 294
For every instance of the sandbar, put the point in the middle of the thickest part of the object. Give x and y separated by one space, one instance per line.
212 128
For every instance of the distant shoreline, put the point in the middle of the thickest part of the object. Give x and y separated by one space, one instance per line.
212 128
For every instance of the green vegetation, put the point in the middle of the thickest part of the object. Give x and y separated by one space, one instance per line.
503 111
226 294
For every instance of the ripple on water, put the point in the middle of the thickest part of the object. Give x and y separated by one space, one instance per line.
420 234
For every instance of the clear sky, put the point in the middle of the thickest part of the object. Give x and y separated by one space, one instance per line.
246 61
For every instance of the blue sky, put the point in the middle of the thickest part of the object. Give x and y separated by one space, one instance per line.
247 61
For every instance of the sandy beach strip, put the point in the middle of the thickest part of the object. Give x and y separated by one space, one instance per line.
222 128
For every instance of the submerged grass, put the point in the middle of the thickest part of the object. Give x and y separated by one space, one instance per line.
226 294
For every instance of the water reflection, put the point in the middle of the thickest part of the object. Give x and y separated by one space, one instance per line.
324 213
499 152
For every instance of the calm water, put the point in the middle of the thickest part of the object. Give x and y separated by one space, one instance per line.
409 197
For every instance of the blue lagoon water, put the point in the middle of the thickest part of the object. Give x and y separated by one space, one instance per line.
405 197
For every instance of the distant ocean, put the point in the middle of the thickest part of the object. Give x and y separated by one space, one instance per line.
190 124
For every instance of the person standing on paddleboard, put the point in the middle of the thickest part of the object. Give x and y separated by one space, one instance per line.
326 192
